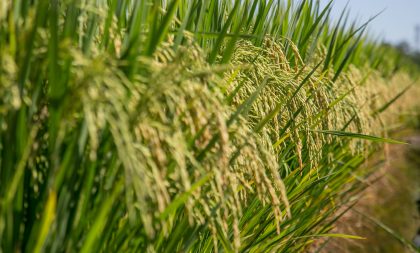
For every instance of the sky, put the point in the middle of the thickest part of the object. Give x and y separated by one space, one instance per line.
396 24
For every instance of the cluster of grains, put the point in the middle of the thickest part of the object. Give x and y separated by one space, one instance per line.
295 102
175 134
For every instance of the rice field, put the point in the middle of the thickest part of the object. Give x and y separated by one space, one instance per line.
189 125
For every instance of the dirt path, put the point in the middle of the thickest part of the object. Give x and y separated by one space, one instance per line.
391 199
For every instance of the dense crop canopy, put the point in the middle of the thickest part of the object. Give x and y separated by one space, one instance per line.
185 125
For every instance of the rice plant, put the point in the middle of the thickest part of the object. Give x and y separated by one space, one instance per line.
185 126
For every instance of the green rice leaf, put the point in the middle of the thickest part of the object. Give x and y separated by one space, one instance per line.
359 136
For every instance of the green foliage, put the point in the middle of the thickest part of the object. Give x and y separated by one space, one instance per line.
179 126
